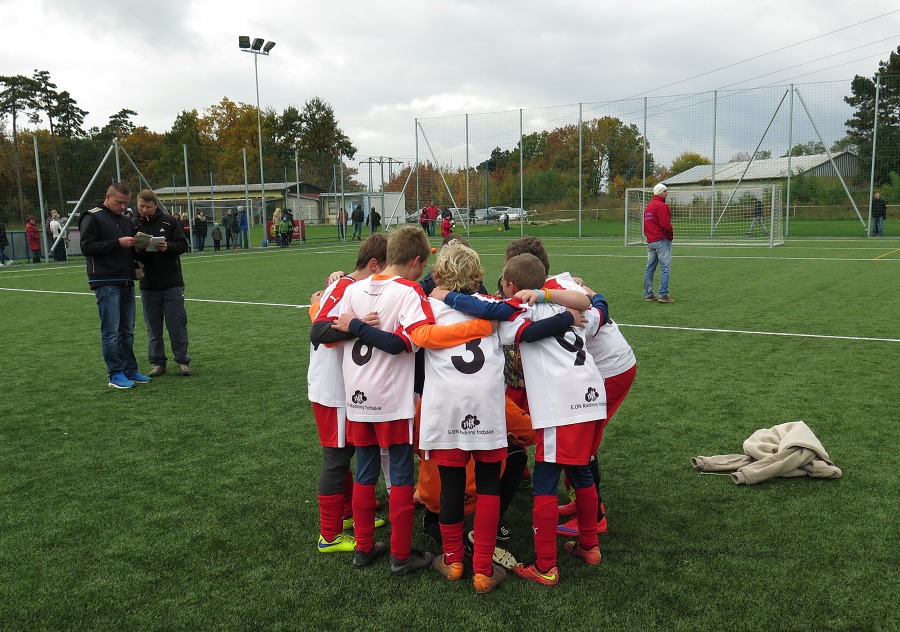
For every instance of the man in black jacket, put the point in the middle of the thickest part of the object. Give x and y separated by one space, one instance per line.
879 212
199 230
107 238
230 227
162 288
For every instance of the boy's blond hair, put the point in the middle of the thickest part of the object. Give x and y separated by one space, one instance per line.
525 271
458 268
405 244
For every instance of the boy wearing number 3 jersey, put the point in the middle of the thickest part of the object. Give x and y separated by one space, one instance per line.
378 388
454 429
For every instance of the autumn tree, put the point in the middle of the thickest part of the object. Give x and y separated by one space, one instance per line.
18 98
861 126
687 160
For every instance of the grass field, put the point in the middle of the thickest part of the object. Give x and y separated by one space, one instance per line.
189 503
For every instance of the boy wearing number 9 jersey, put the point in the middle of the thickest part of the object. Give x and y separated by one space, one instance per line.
567 402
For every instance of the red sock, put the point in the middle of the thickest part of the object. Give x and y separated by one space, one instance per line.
452 536
487 517
364 516
348 495
330 514
586 504
544 516
402 514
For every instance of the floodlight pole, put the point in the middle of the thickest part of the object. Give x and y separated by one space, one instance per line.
255 50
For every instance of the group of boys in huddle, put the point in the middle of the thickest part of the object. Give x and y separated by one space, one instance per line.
560 345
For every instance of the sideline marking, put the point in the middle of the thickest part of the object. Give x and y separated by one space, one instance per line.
888 253
761 333
670 327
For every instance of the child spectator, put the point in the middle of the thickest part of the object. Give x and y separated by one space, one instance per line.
216 237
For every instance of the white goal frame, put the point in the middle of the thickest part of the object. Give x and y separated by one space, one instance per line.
713 216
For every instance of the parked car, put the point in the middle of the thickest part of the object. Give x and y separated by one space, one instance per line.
484 215
515 213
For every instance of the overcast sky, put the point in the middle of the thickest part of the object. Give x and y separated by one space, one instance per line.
382 64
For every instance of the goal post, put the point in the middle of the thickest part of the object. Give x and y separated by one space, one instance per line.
746 216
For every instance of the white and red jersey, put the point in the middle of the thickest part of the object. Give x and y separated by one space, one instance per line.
325 376
561 379
377 385
463 401
611 352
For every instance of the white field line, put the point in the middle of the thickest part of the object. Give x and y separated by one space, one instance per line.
668 327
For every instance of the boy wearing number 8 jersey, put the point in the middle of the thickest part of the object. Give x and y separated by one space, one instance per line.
379 395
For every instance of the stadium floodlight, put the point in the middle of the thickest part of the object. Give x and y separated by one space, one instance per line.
257 49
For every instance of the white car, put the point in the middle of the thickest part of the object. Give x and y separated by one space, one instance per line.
516 213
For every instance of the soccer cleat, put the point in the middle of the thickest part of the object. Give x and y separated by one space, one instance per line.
501 556
570 528
485 584
452 571
185 370
590 556
157 369
666 299
118 380
342 543
531 572
651 298
416 560
361 559
139 378
348 522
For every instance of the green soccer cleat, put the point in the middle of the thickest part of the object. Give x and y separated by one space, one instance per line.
342 543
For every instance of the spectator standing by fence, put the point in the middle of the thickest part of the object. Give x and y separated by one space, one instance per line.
879 212
244 227
229 227
374 220
33 237
4 242
659 233
57 245
357 217
199 229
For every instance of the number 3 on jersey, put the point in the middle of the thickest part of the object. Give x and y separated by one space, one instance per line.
474 365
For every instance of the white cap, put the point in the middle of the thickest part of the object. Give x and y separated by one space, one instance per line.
659 188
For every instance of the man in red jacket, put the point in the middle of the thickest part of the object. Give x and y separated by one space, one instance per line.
658 230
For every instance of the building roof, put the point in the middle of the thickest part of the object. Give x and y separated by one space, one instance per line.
201 190
767 169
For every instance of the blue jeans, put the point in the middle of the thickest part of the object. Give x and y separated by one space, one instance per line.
245 238
116 306
877 226
658 253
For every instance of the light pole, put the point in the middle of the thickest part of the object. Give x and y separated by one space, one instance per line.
257 48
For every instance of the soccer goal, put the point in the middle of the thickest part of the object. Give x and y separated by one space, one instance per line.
746 216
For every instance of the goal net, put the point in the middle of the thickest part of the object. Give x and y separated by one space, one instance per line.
749 215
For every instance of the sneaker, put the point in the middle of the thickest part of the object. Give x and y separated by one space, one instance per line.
348 522
361 559
452 571
570 528
185 370
590 556
501 556
139 378
416 560
568 510
666 299
651 298
118 380
503 532
157 369
485 584
531 572
342 543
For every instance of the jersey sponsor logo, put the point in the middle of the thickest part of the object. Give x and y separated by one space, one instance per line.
358 402
467 427
358 397
590 400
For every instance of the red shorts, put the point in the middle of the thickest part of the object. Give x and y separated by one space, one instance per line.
574 444
455 457
332 425
384 434
617 388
